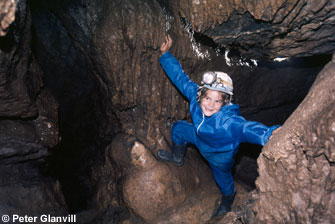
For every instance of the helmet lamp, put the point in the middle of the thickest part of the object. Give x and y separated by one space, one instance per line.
219 81
208 78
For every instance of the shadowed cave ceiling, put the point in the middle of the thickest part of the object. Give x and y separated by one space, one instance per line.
85 105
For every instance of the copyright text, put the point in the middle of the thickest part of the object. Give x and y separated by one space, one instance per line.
43 218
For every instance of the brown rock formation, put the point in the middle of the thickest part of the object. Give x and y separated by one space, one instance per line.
267 28
151 188
297 168
20 79
28 122
155 191
7 15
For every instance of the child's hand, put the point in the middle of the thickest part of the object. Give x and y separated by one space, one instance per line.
166 44
274 132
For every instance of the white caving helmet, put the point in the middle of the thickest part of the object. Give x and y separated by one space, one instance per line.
219 81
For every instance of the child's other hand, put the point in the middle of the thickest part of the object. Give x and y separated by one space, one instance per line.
274 132
166 45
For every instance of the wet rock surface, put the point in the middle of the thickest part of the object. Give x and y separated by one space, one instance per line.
85 105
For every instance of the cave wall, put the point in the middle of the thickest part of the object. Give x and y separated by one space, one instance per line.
18 92
270 28
28 121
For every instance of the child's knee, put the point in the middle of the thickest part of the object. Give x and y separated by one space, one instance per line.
177 126
180 132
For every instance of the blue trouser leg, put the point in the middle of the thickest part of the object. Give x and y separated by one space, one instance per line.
224 178
182 133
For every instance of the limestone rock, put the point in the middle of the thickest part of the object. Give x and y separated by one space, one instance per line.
20 77
151 188
269 28
24 188
156 191
295 169
7 15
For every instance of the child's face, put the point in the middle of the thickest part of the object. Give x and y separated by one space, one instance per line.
211 102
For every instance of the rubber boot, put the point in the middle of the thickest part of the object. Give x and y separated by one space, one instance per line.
225 205
176 155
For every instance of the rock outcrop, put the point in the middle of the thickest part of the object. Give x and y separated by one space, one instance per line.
28 122
154 190
296 168
268 28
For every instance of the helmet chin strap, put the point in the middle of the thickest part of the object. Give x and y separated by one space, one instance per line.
230 99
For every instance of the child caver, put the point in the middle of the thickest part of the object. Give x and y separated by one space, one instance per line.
216 130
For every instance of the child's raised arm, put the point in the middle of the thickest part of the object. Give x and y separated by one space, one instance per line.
174 71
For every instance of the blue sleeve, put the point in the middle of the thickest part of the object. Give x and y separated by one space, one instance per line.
179 78
251 131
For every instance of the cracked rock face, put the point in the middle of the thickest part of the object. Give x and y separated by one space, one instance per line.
270 28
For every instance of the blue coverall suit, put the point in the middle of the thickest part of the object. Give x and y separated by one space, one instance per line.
217 137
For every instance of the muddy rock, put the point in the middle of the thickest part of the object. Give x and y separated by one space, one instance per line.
151 188
296 169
